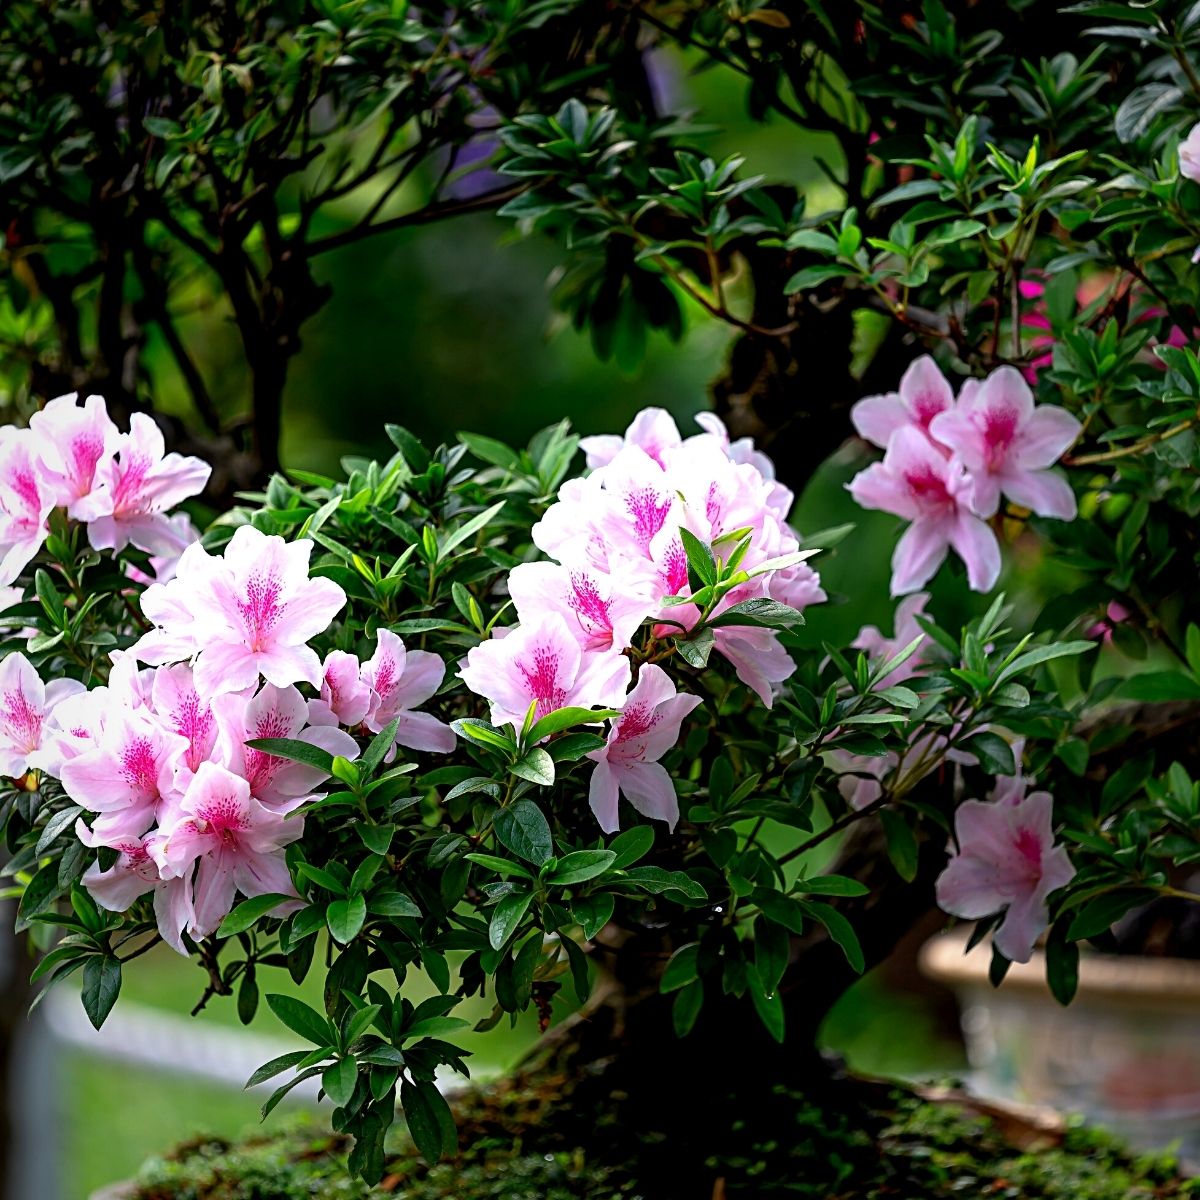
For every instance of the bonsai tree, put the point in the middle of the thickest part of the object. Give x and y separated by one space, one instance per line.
522 724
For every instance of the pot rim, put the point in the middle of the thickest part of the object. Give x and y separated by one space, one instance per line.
945 959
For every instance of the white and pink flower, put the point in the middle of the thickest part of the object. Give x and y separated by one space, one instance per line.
628 765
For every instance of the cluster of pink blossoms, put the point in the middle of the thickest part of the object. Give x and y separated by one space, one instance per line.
121 485
157 757
947 462
615 538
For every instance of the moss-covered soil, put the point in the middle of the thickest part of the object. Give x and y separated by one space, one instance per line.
521 1144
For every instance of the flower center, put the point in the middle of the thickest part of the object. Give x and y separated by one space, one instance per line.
648 513
138 766
541 679
261 609
22 722
1000 426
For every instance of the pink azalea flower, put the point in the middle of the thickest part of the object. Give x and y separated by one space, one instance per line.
1114 613
134 490
1006 860
25 503
25 706
796 586
652 430
1189 154
236 842
542 663
400 680
759 659
127 776
628 763
252 612
880 649
1008 445
169 605
345 698
602 613
916 482
71 442
924 393
133 875
779 498
278 783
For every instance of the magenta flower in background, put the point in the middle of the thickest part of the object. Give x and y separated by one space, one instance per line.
924 393
1189 154
1008 445
1007 860
758 657
628 763
25 503
400 680
879 648
71 441
25 704
917 482
134 490
602 613
861 775
542 663
235 841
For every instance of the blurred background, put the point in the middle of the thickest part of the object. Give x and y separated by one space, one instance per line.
445 328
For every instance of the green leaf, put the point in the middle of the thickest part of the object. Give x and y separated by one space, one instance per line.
506 916
695 650
1098 915
480 731
568 718
377 838
580 866
831 885
810 277
1038 655
700 559
345 918
994 753
632 844
536 767
840 930
681 969
321 878
901 844
249 911
523 829
431 1027
502 866
489 450
687 1007
1157 686
101 986
456 537
593 912
295 751
301 1019
340 1080
656 880
393 904
423 1104
1062 965
270 1069
761 613
381 743
768 1005
574 746
1074 753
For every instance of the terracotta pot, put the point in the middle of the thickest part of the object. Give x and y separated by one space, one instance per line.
1125 1053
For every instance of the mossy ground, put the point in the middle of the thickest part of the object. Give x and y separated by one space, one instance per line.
893 1146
